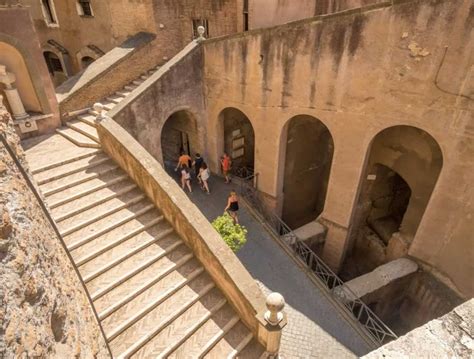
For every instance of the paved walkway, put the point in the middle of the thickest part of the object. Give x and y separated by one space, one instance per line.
315 328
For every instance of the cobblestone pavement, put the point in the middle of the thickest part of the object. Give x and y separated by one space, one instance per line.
315 328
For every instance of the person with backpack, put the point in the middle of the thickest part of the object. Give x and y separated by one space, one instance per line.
183 161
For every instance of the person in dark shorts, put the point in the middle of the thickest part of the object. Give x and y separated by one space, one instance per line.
233 206
198 161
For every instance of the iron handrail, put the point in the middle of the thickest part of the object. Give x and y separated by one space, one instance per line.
51 221
373 325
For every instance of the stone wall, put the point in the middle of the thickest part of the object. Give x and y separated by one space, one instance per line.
175 87
450 336
360 72
44 311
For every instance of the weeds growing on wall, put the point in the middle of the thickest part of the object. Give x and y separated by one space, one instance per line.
234 235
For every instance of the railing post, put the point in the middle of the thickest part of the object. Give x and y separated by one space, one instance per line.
272 322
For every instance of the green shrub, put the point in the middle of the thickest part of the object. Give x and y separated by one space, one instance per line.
234 235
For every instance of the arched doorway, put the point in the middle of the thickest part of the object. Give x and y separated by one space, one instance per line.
55 67
239 140
403 166
86 61
179 133
308 158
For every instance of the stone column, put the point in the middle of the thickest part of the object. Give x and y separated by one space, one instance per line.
272 323
13 97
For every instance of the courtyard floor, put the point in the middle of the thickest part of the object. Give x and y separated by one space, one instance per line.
315 327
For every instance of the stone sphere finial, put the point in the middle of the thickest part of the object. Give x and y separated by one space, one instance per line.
99 108
201 31
275 304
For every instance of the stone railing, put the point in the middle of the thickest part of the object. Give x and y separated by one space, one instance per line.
190 224
109 73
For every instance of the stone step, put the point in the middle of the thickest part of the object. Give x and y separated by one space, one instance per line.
120 233
65 161
88 119
102 210
69 168
115 99
123 93
129 268
83 204
129 88
77 138
77 178
187 327
135 337
85 188
231 343
138 82
253 350
144 77
150 229
105 225
172 277
205 337
106 261
108 105
84 128
144 303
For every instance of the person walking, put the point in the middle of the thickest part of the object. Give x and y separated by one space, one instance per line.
198 162
183 161
186 179
226 164
204 175
233 206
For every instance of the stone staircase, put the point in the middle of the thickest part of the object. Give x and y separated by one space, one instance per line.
153 297
81 130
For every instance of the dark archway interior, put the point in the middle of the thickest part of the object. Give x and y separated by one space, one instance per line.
86 61
402 168
239 139
53 62
179 133
309 152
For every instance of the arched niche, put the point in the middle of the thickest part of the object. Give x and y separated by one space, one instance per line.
308 150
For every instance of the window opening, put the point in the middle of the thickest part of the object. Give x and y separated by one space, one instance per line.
200 22
85 8
48 11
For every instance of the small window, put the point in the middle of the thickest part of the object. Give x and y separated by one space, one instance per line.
48 12
246 15
84 8
53 62
196 24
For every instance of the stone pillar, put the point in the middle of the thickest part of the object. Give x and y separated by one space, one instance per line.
272 323
13 97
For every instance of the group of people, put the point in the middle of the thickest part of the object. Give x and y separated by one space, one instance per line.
202 174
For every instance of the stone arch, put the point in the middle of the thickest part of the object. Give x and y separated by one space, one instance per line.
179 133
306 149
14 60
402 167
55 66
84 53
237 139
86 61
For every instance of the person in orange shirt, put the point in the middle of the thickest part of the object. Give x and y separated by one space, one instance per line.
226 164
183 161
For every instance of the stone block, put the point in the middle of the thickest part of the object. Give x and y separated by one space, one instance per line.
312 233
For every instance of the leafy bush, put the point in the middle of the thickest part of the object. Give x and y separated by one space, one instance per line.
234 235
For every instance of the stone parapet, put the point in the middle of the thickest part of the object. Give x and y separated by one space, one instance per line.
219 261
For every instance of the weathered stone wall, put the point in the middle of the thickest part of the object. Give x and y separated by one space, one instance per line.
44 311
360 72
450 336
176 86
265 13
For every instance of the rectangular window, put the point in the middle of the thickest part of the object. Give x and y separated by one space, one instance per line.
196 24
48 11
246 15
85 8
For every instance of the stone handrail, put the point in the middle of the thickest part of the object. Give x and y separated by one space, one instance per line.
219 261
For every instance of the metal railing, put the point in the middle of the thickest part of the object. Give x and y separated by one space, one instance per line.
51 221
377 330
